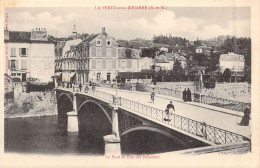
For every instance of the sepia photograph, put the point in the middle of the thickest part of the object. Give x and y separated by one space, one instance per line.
127 82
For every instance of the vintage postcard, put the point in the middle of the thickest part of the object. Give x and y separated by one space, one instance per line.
137 83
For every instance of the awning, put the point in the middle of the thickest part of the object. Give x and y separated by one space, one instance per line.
16 79
72 74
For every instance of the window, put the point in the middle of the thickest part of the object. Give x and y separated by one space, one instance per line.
13 64
109 64
108 52
13 53
18 74
108 43
24 64
23 51
13 74
129 64
93 64
99 64
123 64
99 52
98 43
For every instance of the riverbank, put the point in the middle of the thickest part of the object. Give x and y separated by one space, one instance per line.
33 104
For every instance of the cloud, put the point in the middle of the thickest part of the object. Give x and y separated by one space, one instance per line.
128 27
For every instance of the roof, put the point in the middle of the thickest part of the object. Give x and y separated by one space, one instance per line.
70 43
182 58
24 37
128 53
169 56
90 38
231 57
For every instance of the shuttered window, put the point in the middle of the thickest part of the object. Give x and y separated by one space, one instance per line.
99 51
99 64
114 64
13 52
109 64
93 64
103 64
108 52
24 64
129 64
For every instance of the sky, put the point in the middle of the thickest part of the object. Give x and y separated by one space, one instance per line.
189 23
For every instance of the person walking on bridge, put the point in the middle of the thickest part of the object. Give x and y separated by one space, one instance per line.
169 109
152 95
188 95
246 117
184 95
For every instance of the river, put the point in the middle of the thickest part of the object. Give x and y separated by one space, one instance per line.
42 135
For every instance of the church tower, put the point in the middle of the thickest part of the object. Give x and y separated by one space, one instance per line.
74 33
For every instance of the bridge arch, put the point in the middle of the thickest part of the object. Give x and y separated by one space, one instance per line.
64 105
153 129
64 94
102 108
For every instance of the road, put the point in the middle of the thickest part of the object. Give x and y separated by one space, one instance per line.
199 113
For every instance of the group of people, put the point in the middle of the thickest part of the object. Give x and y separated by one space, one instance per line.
186 95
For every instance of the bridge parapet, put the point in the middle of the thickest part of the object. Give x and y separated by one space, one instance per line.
199 130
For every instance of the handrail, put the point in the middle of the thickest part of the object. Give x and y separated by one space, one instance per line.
198 97
200 129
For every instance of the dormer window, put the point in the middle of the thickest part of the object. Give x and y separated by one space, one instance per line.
108 42
98 43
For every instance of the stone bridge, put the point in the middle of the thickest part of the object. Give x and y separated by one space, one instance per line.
99 110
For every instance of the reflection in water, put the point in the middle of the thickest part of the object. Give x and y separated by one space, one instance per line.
44 135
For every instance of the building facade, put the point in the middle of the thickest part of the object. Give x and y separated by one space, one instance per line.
30 55
232 61
147 63
103 56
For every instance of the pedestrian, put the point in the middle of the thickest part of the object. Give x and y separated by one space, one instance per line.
152 95
184 95
188 95
93 86
246 117
169 109
86 89
80 87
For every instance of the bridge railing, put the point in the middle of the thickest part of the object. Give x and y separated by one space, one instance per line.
201 129
196 97
103 95
224 103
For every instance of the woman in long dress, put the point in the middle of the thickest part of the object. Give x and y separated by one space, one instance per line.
246 117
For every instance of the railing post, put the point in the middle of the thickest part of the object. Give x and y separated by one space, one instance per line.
225 137
215 135
196 128
188 125
181 123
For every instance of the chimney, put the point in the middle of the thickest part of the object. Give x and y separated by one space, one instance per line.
6 34
103 30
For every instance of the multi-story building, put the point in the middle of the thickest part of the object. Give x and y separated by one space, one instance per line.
129 60
30 55
232 61
103 56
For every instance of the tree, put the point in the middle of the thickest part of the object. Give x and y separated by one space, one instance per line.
177 71
227 75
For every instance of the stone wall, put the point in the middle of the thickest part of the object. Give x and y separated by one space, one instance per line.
31 104
232 91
